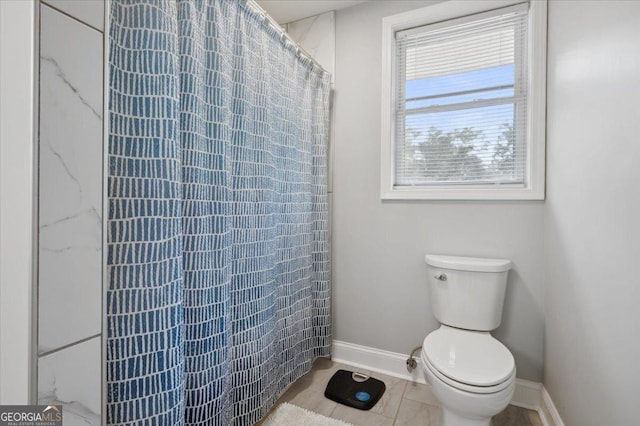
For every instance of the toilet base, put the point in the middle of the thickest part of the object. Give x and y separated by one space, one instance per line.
462 408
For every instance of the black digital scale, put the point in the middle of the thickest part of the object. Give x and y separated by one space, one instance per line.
354 389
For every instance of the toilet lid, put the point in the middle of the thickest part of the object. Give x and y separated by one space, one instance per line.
471 357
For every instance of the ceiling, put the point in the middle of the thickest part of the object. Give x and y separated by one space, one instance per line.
284 11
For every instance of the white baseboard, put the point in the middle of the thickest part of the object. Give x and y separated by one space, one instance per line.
548 411
377 360
528 394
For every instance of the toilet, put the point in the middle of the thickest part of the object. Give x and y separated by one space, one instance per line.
471 373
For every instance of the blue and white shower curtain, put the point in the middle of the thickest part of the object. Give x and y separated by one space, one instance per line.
218 261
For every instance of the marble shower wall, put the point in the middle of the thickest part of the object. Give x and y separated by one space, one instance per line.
70 208
317 35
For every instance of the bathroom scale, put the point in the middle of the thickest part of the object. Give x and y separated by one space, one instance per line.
355 390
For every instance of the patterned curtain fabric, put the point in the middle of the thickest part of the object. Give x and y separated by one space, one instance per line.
218 261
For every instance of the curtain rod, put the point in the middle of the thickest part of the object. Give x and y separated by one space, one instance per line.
268 19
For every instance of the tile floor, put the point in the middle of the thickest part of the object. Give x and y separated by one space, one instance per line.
403 403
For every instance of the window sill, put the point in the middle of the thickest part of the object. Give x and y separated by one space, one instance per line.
484 192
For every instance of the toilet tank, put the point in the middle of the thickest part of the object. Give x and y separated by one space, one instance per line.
468 292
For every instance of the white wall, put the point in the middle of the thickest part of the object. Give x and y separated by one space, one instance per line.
17 19
592 214
379 275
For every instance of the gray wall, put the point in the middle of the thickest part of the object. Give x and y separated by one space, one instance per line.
592 227
379 276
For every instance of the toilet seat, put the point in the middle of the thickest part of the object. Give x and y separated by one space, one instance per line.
465 387
472 361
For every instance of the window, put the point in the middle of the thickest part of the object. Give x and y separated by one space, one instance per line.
463 114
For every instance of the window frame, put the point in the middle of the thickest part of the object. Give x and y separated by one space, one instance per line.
534 187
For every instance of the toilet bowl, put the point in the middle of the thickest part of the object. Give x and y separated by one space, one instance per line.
470 372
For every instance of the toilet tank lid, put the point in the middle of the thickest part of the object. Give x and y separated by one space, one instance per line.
474 264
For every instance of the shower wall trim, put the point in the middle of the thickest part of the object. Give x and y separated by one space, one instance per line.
105 206
35 236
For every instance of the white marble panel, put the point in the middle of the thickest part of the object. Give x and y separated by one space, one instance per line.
71 377
90 12
317 36
70 181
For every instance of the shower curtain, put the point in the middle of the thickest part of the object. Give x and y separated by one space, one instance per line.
218 261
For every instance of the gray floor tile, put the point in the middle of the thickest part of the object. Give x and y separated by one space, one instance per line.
513 415
535 418
390 401
421 393
414 413
360 417
308 391
410 404
309 394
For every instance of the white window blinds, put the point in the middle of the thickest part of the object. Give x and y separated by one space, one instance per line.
461 100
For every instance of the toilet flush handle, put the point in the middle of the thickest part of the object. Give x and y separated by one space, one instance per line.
441 277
